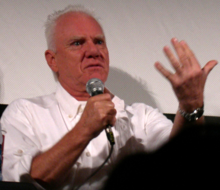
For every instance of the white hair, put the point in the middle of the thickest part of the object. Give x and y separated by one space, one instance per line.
50 24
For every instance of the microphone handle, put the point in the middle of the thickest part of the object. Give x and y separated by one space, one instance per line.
110 135
95 87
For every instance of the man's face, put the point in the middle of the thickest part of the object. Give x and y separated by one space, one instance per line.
81 51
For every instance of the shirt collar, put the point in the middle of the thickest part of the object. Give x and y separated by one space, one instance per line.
120 107
72 107
68 103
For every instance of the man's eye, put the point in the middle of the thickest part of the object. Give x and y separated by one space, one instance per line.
100 42
76 43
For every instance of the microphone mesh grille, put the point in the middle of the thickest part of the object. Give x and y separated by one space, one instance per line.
94 86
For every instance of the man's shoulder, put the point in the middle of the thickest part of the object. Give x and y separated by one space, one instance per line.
26 103
141 106
138 109
135 106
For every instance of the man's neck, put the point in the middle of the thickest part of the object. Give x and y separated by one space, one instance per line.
80 95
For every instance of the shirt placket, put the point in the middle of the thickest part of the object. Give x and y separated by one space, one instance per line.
85 160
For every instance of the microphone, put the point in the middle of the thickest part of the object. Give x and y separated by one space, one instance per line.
94 87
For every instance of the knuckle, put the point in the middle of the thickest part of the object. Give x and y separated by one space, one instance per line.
107 96
112 104
96 104
173 60
115 111
183 58
177 85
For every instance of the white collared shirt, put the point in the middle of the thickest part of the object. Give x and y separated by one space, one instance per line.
32 126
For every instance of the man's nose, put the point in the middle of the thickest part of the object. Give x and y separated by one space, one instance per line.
92 50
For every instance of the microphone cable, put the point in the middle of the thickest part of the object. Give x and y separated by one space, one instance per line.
98 169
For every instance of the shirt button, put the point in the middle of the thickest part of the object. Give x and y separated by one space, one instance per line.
88 154
77 164
19 152
70 116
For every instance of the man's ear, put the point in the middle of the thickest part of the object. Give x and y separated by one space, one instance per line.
50 57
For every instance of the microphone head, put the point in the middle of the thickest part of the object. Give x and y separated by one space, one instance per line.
94 87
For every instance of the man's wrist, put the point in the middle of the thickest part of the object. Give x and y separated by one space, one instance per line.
193 116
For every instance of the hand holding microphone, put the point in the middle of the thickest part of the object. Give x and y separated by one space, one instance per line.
94 87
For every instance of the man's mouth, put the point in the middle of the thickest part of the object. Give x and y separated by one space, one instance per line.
94 66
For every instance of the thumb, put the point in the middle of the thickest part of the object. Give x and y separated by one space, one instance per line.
209 66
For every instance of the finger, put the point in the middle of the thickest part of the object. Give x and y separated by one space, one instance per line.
174 62
100 97
107 91
163 71
180 50
189 53
110 121
105 107
209 66
112 112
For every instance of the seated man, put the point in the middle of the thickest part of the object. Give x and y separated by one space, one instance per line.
59 139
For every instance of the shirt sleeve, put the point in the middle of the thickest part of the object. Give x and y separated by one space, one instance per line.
152 128
20 144
157 128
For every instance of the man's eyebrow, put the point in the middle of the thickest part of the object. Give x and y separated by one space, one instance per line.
101 36
82 37
76 38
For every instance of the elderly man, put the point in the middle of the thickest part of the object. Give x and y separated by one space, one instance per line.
60 139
